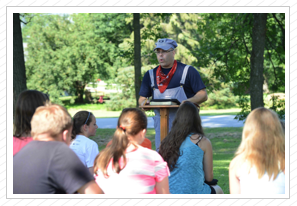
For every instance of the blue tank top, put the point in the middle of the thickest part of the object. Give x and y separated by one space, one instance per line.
188 177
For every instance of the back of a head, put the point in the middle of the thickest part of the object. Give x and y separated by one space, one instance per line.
130 123
263 125
133 120
263 141
26 105
79 119
187 118
51 119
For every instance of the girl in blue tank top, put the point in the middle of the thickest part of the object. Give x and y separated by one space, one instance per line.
188 154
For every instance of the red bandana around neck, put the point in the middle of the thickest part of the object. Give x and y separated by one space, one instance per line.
163 79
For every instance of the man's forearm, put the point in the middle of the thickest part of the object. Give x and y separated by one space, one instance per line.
141 100
199 97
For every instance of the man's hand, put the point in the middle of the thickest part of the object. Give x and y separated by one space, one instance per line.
142 101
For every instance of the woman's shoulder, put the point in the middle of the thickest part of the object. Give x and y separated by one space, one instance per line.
84 138
202 140
91 143
150 153
22 139
146 150
205 141
236 164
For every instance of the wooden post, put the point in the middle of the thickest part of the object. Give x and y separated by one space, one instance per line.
164 116
164 122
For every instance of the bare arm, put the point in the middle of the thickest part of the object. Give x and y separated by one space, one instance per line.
163 186
199 97
90 188
205 145
141 100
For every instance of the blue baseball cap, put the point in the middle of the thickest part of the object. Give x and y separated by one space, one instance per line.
165 44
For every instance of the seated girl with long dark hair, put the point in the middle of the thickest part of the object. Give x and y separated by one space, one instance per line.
188 154
26 105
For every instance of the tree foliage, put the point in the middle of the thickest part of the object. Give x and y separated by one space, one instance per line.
67 52
225 46
64 53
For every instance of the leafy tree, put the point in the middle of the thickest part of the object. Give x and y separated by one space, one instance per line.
148 27
182 28
125 98
226 44
67 52
112 29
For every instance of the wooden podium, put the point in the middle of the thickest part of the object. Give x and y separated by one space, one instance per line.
164 115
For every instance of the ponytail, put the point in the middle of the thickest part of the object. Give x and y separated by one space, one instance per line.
130 123
114 152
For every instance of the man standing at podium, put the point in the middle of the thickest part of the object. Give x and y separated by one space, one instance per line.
170 80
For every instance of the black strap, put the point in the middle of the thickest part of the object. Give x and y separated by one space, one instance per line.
213 182
200 138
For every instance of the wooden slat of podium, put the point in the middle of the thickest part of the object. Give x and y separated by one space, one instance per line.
164 114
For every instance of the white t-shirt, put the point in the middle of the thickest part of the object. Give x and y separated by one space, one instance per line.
86 149
250 184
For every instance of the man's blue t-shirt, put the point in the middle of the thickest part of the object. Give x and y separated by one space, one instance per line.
192 85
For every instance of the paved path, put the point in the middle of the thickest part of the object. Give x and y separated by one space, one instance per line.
207 121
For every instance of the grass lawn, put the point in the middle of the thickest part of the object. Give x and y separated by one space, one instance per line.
100 111
224 141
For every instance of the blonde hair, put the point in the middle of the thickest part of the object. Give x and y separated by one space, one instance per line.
52 119
263 142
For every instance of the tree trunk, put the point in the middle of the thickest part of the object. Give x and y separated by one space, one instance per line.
79 91
19 71
257 59
137 55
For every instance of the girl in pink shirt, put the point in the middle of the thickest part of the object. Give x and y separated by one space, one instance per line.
19 143
125 167
26 105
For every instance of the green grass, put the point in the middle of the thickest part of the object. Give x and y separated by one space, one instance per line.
232 111
99 110
225 141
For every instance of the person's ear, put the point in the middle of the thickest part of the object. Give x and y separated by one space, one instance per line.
66 136
144 132
84 127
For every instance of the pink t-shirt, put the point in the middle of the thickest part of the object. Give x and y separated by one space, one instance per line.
144 168
19 143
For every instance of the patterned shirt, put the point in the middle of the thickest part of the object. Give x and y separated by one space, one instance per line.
189 170
144 168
